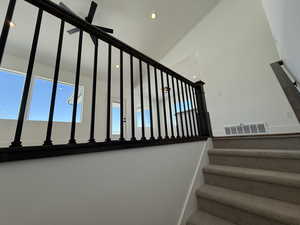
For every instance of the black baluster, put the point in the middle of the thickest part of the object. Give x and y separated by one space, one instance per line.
6 27
157 105
164 104
93 110
150 103
184 108
108 139
132 101
142 101
193 110
180 109
17 140
170 106
48 140
76 90
121 98
189 110
196 112
174 101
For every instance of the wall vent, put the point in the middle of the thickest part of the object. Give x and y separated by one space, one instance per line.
246 129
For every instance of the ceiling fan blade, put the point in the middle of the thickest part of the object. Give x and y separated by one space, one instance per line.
92 12
74 30
62 5
105 29
94 39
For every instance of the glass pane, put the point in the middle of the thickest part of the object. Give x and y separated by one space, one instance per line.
146 117
180 106
11 90
116 119
41 97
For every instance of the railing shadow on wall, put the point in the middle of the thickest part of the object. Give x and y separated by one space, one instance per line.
191 121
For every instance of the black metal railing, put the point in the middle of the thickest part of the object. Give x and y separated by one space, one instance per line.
180 114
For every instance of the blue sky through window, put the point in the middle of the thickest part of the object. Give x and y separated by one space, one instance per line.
41 97
146 118
180 106
11 89
116 119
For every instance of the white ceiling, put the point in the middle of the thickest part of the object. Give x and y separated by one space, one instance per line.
130 20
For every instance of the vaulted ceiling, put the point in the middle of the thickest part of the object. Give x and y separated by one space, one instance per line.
130 20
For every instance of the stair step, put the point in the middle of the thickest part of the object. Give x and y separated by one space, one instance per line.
278 185
278 160
246 209
264 153
203 218
286 141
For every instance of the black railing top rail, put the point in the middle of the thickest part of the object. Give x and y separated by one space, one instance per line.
54 9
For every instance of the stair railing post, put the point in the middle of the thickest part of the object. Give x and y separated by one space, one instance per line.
202 115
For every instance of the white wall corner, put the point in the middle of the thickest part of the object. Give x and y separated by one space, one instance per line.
190 203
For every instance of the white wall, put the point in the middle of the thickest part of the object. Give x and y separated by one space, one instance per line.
230 50
284 19
143 186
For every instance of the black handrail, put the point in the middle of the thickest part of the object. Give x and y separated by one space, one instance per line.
192 119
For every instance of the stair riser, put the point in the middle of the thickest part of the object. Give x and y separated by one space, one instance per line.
276 164
275 191
232 214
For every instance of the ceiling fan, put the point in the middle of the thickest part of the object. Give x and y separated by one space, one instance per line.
88 19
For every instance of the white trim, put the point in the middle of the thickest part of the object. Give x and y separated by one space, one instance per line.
190 194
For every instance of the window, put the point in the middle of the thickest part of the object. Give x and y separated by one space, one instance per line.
11 90
180 106
180 109
41 98
146 118
115 118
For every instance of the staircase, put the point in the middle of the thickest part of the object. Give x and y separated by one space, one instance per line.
250 187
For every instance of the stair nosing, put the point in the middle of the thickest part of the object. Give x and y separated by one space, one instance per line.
275 177
213 193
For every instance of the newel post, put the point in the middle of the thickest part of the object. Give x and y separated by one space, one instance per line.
202 115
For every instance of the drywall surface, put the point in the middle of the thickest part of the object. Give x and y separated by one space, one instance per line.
143 186
284 20
231 50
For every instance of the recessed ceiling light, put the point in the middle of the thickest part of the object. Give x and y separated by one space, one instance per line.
154 15
194 77
12 24
117 66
